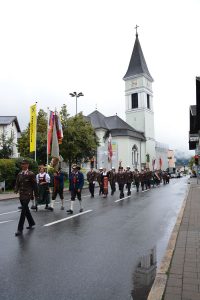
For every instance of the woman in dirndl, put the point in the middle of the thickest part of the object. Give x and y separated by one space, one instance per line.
104 181
43 180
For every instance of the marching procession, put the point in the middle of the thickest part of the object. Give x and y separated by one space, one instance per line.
37 188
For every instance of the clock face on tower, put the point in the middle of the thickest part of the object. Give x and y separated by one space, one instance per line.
134 83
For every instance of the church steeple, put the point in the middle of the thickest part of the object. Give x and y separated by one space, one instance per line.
137 65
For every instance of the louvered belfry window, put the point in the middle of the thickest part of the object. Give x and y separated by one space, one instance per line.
134 100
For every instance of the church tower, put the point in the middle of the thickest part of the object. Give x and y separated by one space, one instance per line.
139 100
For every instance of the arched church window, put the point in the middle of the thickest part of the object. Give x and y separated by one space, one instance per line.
135 156
148 101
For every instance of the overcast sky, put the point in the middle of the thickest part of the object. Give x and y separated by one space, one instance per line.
51 48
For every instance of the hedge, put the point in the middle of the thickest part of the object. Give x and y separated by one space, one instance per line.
9 168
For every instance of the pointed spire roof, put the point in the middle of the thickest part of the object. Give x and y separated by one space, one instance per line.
137 65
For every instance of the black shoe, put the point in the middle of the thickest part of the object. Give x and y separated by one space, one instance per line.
50 208
30 227
46 207
18 233
81 210
34 207
19 207
69 211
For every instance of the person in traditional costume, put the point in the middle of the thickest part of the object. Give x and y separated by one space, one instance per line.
128 179
76 182
112 177
58 187
26 186
121 181
43 180
99 180
91 177
104 182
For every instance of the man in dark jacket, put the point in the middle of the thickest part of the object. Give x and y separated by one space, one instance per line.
91 177
76 182
25 185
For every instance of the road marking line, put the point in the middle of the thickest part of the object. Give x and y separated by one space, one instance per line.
10 212
6 221
122 199
62 220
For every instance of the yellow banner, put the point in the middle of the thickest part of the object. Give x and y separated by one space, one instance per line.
33 120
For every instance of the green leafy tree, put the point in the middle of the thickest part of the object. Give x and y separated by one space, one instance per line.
6 145
80 141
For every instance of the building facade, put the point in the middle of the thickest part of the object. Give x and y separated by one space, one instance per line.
9 127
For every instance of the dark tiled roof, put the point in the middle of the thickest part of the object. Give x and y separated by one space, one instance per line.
7 120
97 120
114 124
137 65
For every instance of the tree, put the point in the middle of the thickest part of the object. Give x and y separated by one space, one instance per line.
6 145
80 141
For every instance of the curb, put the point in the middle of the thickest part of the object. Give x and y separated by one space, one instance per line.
159 285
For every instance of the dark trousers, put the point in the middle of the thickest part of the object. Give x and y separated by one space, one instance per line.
75 193
137 184
113 187
91 188
142 185
129 188
25 213
121 188
59 192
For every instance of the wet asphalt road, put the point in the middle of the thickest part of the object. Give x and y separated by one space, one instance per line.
90 256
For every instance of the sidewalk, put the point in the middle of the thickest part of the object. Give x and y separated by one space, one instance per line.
178 277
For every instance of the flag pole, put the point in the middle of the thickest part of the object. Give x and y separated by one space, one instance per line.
36 132
47 137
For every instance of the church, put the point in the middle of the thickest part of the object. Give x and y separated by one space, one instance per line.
132 141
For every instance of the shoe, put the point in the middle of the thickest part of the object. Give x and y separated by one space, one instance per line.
50 208
46 207
81 210
19 207
34 207
30 227
18 233
62 208
69 211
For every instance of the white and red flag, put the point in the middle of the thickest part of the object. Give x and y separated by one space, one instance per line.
110 151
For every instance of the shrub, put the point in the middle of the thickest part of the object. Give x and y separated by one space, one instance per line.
8 172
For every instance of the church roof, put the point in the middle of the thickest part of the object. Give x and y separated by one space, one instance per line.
137 65
97 120
114 124
7 120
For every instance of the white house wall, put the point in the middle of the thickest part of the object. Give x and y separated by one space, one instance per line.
9 130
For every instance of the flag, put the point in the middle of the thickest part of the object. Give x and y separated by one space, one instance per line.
59 129
110 152
153 163
50 131
55 146
160 162
33 122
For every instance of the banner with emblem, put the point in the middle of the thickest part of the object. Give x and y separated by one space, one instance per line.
33 124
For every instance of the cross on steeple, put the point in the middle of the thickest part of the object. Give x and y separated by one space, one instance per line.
136 27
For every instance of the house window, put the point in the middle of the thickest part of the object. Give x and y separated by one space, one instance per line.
134 100
148 101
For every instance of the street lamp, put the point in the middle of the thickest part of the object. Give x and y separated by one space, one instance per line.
74 94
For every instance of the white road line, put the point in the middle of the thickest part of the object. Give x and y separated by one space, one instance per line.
10 212
62 220
122 199
6 221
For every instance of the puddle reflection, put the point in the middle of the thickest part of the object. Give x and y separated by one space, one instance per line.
144 275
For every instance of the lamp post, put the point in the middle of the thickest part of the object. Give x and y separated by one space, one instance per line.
75 94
